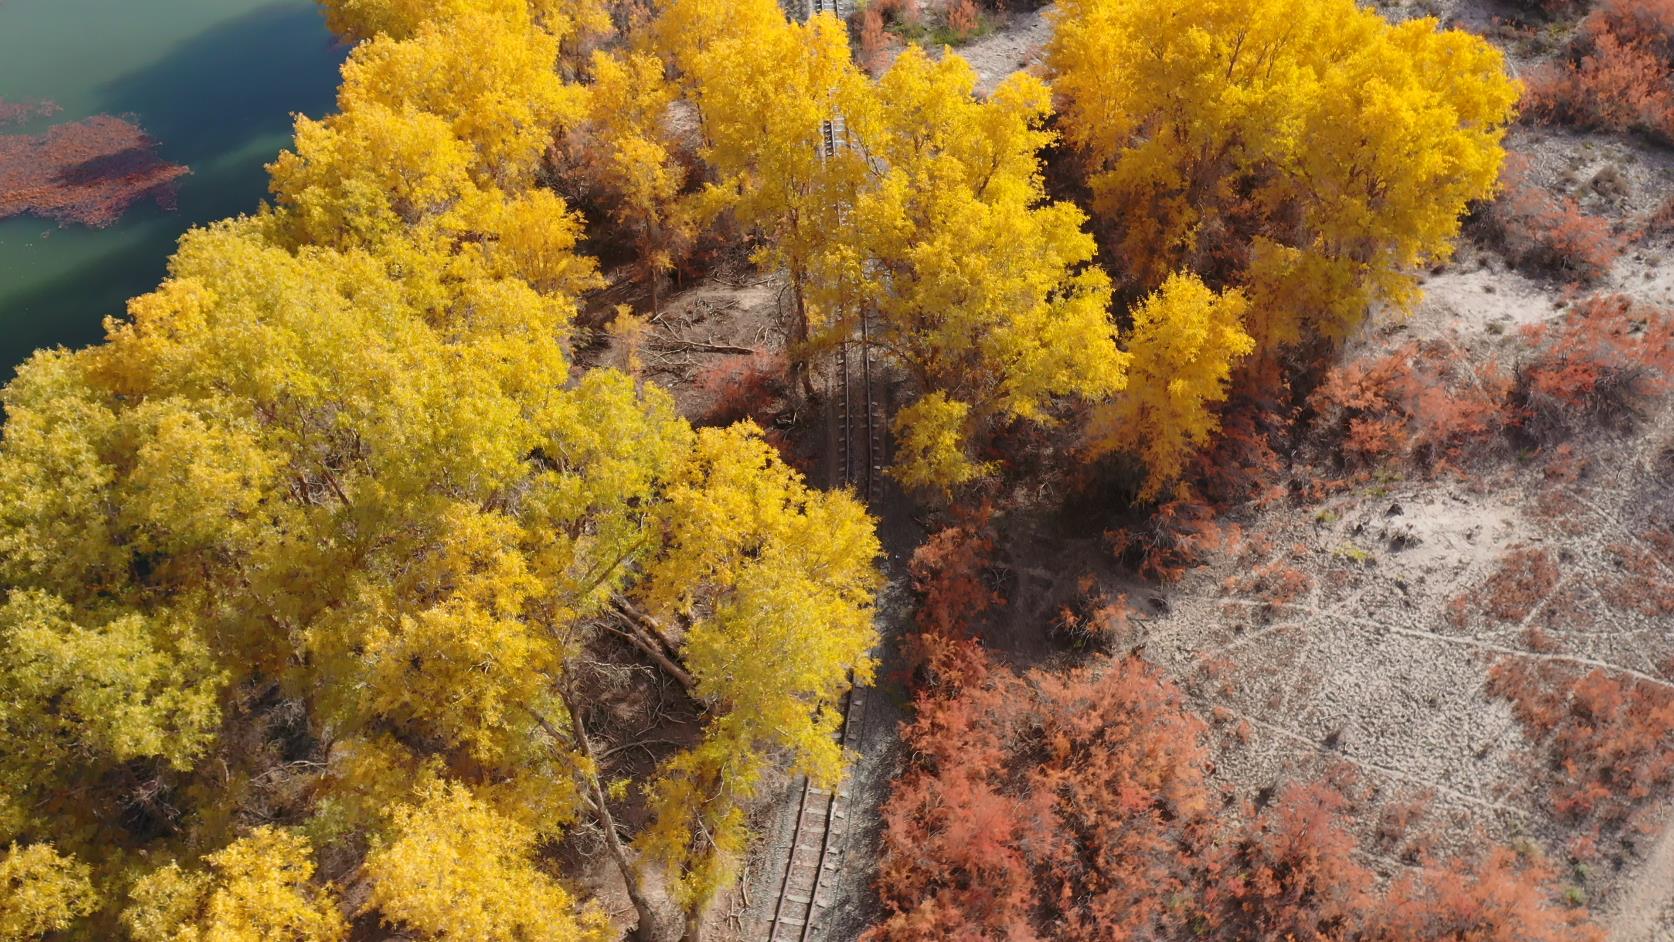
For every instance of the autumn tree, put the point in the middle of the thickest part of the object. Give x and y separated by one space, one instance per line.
336 475
44 892
454 869
1185 342
1310 153
576 21
257 889
980 286
631 152
764 88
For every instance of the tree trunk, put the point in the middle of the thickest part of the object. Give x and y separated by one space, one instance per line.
647 929
800 374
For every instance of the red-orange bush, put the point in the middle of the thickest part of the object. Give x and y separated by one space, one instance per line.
1525 578
1599 362
89 171
1421 402
1074 808
1177 536
1289 874
1044 808
1545 233
1610 737
873 39
741 387
1619 75
963 17
1501 899
950 573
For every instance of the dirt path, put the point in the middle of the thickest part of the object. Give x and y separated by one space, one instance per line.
1015 46
1643 904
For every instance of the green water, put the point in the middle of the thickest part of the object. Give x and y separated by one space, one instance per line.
214 81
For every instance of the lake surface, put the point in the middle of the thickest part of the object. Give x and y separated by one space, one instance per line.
214 81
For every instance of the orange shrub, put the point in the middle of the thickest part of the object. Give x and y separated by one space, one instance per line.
1620 74
742 387
1075 808
1421 402
950 573
1525 578
963 18
1175 537
1599 362
1544 233
1610 737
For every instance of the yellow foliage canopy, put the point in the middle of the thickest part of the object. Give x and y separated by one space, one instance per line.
44 892
1185 342
453 869
256 890
1309 151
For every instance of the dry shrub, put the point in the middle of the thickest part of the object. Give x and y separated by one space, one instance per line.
742 387
1179 535
1276 584
1525 578
1095 618
1544 233
963 18
1661 220
1043 807
874 41
951 573
1290 873
1599 363
1619 74
1076 808
903 12
1610 738
1554 9
1503 898
1647 564
1421 402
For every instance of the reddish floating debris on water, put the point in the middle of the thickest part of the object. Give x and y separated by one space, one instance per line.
17 112
87 172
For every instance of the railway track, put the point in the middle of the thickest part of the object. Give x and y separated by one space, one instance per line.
820 835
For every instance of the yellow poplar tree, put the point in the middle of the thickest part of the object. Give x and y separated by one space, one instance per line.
333 486
44 892
982 287
1306 150
258 889
1185 342
571 20
764 88
776 581
454 869
634 154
